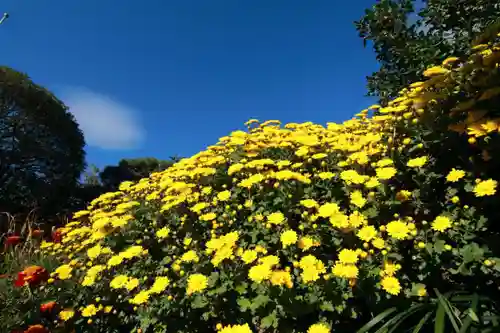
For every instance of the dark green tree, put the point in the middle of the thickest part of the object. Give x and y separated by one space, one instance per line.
89 188
95 182
133 170
41 147
91 176
408 36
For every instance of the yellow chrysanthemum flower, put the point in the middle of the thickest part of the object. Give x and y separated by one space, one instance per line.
367 233
318 328
455 175
249 256
141 298
66 315
259 273
276 218
391 285
288 238
119 281
398 230
417 162
485 188
89 311
441 223
196 283
347 256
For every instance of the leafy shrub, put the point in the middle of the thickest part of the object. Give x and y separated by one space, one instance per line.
21 263
461 311
302 227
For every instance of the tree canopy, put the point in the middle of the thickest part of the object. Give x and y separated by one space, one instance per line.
41 146
407 39
132 170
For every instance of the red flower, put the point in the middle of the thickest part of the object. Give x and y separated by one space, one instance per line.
36 233
47 307
36 329
57 236
20 281
13 240
32 275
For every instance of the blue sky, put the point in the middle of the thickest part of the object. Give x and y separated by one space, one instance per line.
162 78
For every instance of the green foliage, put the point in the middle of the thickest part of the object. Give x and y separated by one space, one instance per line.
16 304
455 311
41 147
132 170
407 40
91 176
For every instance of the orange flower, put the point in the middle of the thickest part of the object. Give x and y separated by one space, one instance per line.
32 275
47 307
13 240
36 329
36 233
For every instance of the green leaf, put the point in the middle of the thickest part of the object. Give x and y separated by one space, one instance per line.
416 287
376 320
212 279
327 306
277 201
311 298
244 304
464 270
382 330
468 187
481 222
439 323
429 247
395 256
422 322
401 317
242 288
447 309
371 212
199 302
260 300
270 320
472 252
439 246
392 324
471 314
497 264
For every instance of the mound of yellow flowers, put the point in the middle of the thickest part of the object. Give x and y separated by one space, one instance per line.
301 227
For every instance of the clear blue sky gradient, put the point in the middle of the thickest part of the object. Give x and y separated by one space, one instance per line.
196 69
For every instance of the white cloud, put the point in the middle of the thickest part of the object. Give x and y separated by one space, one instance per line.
106 123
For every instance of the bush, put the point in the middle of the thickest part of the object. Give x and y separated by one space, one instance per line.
19 255
302 227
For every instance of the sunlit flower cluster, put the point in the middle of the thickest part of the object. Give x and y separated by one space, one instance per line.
300 213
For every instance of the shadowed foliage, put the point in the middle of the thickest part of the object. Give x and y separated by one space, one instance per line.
132 170
41 147
407 39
